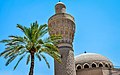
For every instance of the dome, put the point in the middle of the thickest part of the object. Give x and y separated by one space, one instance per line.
60 3
92 60
60 8
91 57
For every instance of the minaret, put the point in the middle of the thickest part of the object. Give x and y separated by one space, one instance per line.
63 24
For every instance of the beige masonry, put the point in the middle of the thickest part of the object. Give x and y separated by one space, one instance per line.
63 24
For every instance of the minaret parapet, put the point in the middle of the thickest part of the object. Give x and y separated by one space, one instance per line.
61 15
62 23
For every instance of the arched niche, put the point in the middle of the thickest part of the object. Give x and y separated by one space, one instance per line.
86 65
93 65
78 67
101 64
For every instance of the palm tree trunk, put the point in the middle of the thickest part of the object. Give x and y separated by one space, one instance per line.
32 64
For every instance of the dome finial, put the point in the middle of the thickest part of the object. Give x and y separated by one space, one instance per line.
85 52
59 0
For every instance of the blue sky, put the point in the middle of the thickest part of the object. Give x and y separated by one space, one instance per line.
97 28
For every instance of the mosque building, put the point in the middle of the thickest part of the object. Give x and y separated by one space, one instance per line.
62 23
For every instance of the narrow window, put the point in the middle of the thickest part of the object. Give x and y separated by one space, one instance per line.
79 67
110 66
100 65
106 65
93 65
86 66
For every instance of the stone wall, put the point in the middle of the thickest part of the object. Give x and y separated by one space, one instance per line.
115 71
67 67
96 71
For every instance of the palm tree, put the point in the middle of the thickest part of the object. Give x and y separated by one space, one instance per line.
31 44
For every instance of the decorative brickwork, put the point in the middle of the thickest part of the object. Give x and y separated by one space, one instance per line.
67 67
63 24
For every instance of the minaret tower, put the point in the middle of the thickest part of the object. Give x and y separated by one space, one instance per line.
63 24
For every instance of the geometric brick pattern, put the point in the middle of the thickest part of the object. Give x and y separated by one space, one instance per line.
63 24
67 67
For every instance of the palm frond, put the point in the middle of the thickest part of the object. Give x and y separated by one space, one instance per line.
51 47
4 52
43 32
5 41
28 59
43 29
38 46
21 27
38 31
10 60
40 41
23 51
52 39
38 56
13 50
9 54
19 61
45 60
47 40
32 40
53 54
17 39
55 37
25 30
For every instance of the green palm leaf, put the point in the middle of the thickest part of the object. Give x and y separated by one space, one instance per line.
28 59
5 41
10 60
38 56
4 52
45 60
19 61
31 44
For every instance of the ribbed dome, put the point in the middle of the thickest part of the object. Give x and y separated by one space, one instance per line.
90 57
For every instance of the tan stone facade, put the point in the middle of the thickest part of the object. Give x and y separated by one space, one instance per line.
63 24
115 71
94 64
67 66
97 71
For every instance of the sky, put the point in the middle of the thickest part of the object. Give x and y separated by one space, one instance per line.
97 28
